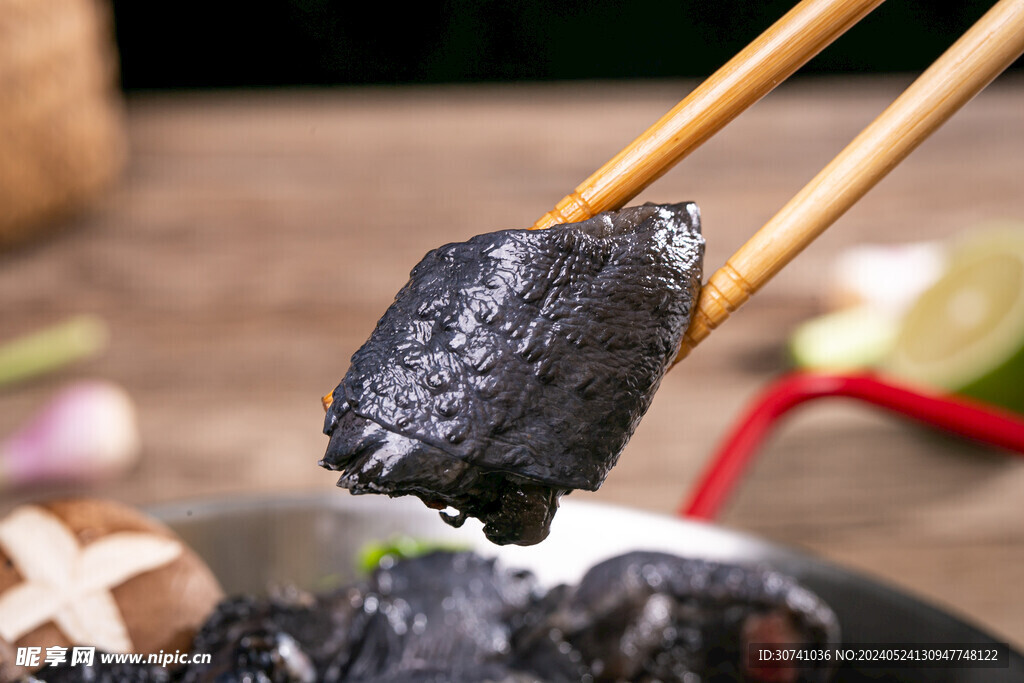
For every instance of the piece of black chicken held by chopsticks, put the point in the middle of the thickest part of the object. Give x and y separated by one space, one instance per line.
514 367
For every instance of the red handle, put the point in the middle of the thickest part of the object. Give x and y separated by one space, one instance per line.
960 416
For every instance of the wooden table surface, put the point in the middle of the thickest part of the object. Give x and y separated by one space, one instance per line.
257 236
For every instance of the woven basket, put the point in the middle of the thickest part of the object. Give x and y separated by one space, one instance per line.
61 123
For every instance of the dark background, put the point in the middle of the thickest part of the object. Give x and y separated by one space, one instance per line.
203 43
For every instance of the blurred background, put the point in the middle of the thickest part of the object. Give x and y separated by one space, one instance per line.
205 209
324 42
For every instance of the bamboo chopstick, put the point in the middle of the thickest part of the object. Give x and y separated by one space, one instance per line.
787 45
981 54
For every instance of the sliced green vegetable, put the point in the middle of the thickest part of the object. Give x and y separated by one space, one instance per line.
53 347
400 548
850 339
966 333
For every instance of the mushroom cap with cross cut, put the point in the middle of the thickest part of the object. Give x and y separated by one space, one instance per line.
89 572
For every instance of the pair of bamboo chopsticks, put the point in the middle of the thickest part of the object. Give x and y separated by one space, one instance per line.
981 54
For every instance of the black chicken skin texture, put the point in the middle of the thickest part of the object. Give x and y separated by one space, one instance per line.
650 616
443 611
460 618
515 366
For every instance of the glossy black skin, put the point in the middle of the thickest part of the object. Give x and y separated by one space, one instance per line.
515 366
443 614
440 612
457 617
288 638
649 616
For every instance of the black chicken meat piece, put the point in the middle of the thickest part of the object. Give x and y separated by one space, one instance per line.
289 638
459 618
515 366
263 655
649 616
442 612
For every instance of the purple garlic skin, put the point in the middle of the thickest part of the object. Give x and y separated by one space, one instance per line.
515 366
